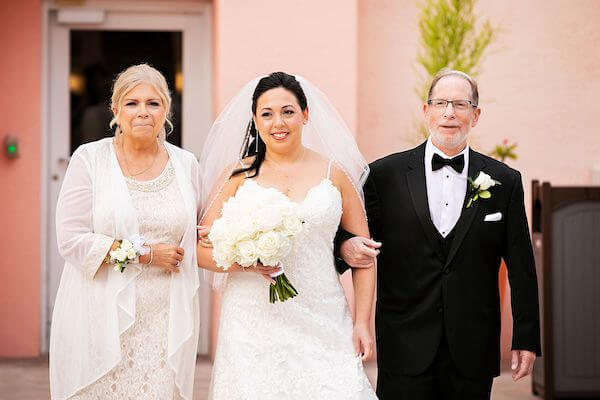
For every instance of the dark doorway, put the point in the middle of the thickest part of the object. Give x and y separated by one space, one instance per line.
98 56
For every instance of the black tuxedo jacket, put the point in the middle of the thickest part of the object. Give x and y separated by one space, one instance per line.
421 293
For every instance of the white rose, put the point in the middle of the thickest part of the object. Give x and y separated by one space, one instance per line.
119 254
484 181
223 254
248 253
218 231
126 244
267 246
488 183
292 225
245 228
131 254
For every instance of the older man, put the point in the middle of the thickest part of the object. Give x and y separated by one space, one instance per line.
446 216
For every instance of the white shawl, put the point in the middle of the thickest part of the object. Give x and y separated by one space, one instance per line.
93 308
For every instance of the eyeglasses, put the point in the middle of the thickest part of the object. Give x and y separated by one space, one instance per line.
461 105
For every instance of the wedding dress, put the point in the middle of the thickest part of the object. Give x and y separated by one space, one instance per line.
298 349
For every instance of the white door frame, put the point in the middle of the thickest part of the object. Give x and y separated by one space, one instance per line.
194 21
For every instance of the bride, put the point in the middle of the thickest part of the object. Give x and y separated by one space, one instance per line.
307 347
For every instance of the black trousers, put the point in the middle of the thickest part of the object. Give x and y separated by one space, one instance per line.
441 381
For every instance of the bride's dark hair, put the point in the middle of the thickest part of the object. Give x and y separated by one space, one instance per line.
253 144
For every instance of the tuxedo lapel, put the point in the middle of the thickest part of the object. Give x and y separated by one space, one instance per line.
417 186
476 164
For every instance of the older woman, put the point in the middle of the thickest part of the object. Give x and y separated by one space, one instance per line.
125 322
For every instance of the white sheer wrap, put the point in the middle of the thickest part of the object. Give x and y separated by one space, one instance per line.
326 133
93 308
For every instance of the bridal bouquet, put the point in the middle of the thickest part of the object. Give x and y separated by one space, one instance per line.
257 226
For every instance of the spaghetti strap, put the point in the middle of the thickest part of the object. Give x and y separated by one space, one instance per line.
329 168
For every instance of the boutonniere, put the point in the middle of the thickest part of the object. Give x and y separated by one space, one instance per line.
479 187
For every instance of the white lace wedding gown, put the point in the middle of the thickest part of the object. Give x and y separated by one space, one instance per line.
143 372
299 349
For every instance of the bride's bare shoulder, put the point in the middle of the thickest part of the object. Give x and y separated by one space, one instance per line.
339 177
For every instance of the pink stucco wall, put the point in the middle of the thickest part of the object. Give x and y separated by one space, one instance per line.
313 38
20 72
538 87
316 39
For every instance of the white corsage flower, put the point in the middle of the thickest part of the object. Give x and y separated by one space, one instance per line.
131 254
479 187
127 252
120 254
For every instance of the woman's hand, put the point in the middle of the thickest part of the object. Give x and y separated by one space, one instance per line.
164 255
265 271
363 341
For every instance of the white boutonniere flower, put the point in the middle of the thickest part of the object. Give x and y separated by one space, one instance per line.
479 187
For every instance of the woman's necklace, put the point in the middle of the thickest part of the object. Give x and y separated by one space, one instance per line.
286 178
129 174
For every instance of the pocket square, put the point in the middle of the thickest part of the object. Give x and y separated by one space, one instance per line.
493 217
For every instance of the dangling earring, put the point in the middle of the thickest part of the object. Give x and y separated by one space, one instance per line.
257 137
247 141
170 125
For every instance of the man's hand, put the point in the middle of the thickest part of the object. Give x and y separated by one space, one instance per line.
522 363
203 232
359 252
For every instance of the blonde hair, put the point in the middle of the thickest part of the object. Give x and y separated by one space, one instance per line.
129 79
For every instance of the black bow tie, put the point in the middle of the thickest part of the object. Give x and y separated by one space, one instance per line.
458 162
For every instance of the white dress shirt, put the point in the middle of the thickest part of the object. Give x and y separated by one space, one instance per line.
446 189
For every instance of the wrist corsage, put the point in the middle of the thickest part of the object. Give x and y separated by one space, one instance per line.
128 252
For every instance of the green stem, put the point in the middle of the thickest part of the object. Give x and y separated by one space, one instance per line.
289 284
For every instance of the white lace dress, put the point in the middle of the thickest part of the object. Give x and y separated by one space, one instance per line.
143 372
299 349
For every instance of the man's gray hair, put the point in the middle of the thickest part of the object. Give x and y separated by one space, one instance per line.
448 72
